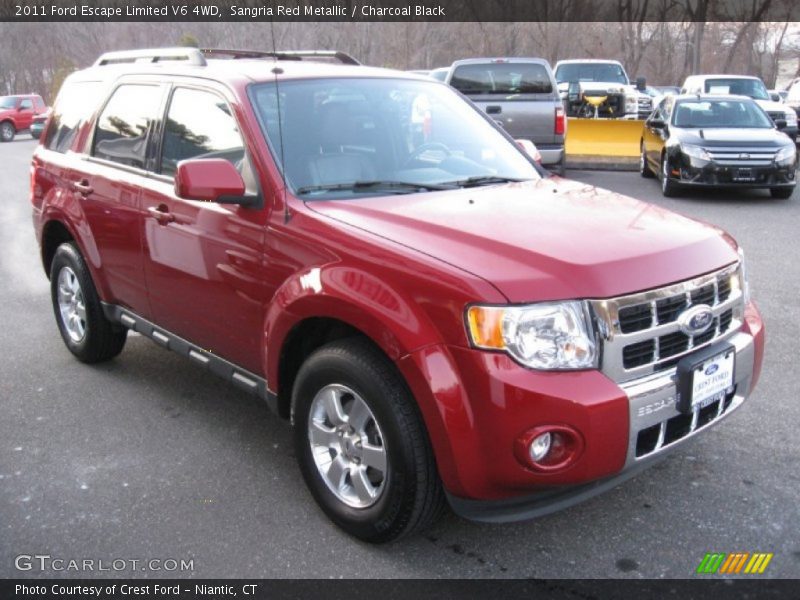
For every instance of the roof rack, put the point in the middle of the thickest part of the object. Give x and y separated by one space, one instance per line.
322 55
192 56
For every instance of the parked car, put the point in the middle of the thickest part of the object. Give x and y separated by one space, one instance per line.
666 90
439 321
792 99
716 141
38 123
440 73
521 95
581 78
17 113
743 85
778 96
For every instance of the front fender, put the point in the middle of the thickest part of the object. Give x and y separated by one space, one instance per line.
389 317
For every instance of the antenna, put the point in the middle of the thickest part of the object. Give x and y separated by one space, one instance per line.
277 71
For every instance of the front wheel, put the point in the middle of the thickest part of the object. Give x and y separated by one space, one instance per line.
84 328
361 444
7 131
669 188
781 192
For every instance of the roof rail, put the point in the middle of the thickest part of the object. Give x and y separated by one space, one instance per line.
192 56
342 57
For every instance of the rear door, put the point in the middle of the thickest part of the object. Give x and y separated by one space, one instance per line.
519 95
203 260
108 183
25 113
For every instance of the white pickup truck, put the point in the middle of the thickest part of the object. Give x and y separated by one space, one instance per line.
586 77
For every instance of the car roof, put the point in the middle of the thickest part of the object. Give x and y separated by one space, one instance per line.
570 61
716 97
722 76
499 60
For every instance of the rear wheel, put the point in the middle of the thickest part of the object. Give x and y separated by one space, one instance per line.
84 328
644 168
669 187
7 131
781 192
361 444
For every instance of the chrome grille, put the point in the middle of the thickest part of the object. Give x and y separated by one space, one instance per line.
742 157
640 333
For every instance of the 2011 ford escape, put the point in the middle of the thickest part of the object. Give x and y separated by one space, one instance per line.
438 319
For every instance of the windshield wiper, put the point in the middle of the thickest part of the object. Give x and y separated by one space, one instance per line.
405 187
483 180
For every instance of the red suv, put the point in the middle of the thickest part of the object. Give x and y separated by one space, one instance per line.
439 320
17 113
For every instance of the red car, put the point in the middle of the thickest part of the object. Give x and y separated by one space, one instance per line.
17 114
440 321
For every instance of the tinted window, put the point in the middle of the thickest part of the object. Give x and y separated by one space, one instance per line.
753 88
199 125
502 78
76 103
123 127
26 105
603 72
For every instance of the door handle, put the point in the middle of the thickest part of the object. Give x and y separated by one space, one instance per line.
494 109
161 214
82 187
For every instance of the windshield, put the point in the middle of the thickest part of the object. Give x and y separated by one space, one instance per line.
754 88
353 137
605 72
720 113
7 102
502 78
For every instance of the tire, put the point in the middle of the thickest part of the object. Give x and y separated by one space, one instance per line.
669 189
342 379
7 131
84 328
558 168
644 169
781 192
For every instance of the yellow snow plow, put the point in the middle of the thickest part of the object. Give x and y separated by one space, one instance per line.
603 142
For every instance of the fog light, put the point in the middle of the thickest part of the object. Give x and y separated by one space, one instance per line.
540 446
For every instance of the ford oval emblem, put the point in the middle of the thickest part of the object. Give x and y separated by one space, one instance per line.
696 319
712 369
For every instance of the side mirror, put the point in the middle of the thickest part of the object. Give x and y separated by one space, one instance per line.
529 148
656 124
210 180
641 84
780 123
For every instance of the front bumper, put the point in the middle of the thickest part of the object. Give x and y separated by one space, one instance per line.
745 176
625 429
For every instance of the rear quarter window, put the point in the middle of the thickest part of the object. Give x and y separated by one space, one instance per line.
502 78
75 104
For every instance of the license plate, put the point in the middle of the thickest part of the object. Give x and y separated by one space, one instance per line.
705 379
743 175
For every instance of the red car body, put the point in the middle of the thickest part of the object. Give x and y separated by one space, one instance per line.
244 283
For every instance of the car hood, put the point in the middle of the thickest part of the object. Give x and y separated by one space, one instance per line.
544 240
727 137
772 106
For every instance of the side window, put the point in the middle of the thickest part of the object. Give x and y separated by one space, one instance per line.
199 125
26 104
73 106
123 126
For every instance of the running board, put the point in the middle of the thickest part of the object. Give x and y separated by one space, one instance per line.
242 378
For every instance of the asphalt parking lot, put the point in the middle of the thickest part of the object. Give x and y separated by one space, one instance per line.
149 457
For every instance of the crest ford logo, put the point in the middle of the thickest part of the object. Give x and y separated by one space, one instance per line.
734 564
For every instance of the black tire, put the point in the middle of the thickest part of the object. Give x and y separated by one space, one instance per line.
669 188
411 498
7 131
644 168
558 168
781 192
102 340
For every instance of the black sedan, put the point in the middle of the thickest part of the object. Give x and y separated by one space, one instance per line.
716 141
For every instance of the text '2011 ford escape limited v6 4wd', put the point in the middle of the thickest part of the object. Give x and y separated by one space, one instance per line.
439 320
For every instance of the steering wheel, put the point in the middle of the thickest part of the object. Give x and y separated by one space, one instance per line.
423 148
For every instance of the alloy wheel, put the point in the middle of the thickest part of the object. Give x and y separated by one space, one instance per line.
71 304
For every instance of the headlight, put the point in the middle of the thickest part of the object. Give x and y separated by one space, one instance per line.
695 152
786 155
791 118
548 336
739 279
